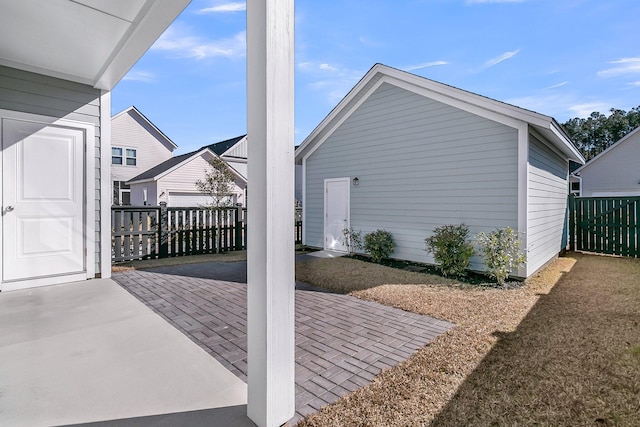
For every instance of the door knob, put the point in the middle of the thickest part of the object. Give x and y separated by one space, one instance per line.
9 208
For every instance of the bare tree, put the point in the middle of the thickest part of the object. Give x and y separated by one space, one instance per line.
218 184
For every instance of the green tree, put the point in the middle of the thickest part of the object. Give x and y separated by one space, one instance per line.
596 133
218 184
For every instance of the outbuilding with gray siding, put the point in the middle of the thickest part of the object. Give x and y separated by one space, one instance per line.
613 173
408 154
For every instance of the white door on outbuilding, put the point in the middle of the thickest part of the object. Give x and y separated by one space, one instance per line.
43 206
336 213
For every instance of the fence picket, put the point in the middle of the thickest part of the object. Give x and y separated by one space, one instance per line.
608 225
142 232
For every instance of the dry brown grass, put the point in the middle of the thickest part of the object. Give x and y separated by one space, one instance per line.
346 275
567 354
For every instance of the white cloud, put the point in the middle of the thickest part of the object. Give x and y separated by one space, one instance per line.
425 65
557 85
225 8
562 107
634 84
585 109
622 66
334 87
180 42
139 76
327 67
493 1
498 59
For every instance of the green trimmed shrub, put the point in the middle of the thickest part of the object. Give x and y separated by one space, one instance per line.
501 250
450 249
379 244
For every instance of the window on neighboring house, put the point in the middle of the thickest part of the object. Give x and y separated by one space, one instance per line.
131 157
116 155
121 194
575 187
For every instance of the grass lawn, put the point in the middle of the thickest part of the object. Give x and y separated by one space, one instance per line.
562 350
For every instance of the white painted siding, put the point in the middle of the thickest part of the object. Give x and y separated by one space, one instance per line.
37 94
617 171
547 204
129 130
421 164
238 150
240 165
183 180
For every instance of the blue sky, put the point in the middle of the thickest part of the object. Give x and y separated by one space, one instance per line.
563 58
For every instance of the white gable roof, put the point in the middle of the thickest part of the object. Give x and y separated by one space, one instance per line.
93 42
614 146
477 104
137 112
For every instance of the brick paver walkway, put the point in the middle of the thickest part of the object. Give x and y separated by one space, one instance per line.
342 342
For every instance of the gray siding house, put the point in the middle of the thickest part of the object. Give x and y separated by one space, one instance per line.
614 172
407 154
55 131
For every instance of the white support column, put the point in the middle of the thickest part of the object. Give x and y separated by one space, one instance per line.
270 214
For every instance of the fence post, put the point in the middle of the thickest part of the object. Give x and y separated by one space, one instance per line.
164 230
572 222
237 224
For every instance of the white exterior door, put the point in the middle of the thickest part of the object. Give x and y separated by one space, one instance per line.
43 180
336 212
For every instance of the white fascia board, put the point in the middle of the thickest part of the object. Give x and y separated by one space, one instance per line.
143 117
309 142
177 166
608 150
334 123
491 109
195 155
152 20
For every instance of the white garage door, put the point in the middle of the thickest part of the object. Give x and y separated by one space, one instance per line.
188 200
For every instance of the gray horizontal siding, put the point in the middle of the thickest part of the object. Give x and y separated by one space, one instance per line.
616 171
37 94
547 204
421 164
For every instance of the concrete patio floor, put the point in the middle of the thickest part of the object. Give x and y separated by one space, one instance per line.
89 352
342 342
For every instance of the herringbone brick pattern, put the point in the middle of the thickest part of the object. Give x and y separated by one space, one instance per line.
342 342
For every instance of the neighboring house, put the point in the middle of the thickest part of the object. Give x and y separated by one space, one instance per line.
407 154
174 180
55 102
137 145
612 173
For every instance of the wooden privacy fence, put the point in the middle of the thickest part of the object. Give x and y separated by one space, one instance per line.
606 225
143 232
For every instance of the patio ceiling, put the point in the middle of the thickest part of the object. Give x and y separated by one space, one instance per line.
93 42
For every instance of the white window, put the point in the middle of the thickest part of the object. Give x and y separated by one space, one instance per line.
116 155
131 156
124 156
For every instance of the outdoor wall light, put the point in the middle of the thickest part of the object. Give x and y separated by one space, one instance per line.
356 181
